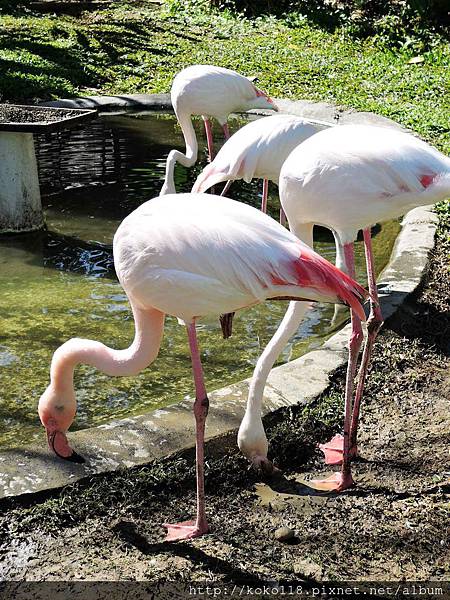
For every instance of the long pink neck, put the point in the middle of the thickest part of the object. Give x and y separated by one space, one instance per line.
149 326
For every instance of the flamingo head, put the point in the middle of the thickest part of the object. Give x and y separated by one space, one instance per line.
252 442
57 410
263 101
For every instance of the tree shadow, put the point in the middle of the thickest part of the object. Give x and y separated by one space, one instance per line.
418 319
56 67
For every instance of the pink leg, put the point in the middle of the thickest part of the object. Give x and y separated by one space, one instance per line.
283 219
191 529
226 131
374 323
209 138
264 195
338 449
226 187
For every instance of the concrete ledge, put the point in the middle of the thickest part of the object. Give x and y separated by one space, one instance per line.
138 440
137 102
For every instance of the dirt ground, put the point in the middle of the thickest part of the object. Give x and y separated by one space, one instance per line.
392 526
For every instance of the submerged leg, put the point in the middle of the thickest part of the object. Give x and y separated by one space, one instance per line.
264 195
374 323
338 449
209 138
226 323
191 529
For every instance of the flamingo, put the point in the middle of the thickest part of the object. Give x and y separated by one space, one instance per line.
191 256
348 178
211 92
257 150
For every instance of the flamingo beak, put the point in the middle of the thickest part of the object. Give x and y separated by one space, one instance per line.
58 443
275 107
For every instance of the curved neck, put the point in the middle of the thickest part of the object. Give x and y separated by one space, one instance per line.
187 160
288 326
286 329
149 327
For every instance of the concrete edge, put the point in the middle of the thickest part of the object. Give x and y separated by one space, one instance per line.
138 440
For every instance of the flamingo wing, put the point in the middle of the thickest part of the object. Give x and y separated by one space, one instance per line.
256 150
352 176
194 255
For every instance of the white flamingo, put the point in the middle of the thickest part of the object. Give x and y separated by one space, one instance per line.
211 92
191 255
348 178
257 150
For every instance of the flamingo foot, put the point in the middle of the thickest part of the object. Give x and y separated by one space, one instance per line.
187 530
336 483
334 450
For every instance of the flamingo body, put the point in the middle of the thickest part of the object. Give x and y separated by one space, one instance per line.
192 255
257 150
215 92
350 177
211 92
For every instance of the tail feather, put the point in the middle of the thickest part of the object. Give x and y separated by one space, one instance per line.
352 294
316 272
435 189
439 188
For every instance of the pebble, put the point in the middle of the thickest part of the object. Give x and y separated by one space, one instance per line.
284 534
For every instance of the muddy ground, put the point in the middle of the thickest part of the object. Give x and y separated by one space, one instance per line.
392 526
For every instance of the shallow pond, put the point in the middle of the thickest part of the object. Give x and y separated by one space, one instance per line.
60 283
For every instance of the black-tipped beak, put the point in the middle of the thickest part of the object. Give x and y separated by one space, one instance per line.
74 457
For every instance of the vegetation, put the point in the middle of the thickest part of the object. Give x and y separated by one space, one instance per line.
397 21
129 49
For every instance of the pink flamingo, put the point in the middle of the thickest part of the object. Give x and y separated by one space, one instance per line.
211 92
257 150
347 178
191 255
